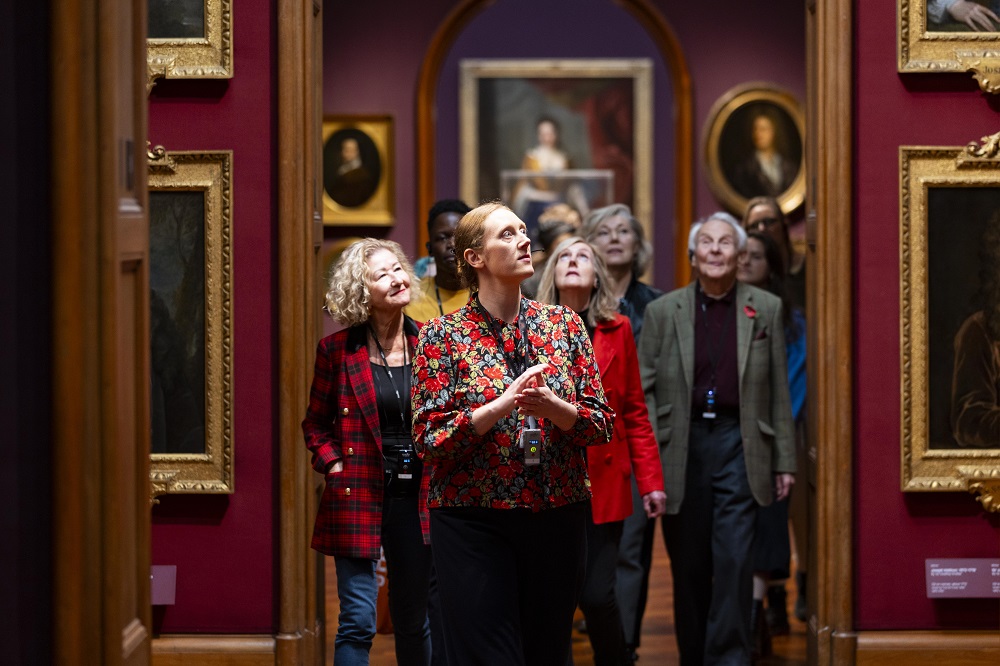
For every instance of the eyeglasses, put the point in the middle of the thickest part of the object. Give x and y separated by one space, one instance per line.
764 223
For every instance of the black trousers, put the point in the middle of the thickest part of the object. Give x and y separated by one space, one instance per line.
598 601
710 545
409 563
635 557
509 581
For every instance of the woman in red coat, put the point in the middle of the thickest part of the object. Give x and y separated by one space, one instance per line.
575 276
357 426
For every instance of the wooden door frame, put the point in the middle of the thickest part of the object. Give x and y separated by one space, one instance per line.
673 56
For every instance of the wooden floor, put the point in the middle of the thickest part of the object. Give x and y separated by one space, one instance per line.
658 645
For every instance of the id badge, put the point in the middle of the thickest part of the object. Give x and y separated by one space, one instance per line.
709 412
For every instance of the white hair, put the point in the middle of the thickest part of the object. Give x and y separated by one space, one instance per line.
741 234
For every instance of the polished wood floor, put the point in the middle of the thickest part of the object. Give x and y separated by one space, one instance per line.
658 645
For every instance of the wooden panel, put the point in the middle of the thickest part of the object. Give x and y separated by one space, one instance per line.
100 323
928 648
214 650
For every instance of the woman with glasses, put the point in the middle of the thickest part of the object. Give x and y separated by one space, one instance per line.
576 277
620 241
764 214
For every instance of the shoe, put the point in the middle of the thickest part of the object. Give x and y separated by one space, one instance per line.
759 637
777 611
631 656
580 625
801 606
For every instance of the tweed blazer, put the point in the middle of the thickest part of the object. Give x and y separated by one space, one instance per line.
632 449
666 366
342 424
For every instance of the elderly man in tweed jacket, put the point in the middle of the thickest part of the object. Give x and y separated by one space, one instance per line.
712 362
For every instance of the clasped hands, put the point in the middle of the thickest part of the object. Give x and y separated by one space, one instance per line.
533 398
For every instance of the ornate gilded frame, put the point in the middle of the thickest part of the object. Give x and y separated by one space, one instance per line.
379 208
732 103
923 50
640 70
210 173
206 57
924 468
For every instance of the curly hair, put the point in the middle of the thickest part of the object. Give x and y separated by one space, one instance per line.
643 250
348 296
469 235
603 306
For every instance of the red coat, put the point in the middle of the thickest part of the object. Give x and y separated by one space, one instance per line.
342 424
633 448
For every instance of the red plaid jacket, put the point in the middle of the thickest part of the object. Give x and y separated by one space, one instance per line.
342 424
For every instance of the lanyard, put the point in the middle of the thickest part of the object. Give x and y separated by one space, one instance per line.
388 371
438 294
516 365
712 358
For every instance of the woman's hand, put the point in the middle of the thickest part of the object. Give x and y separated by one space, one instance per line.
536 399
487 416
655 503
336 468
974 15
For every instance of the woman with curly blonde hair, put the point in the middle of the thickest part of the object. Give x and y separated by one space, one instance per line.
357 427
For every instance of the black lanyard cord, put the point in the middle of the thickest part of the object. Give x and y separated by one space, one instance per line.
388 371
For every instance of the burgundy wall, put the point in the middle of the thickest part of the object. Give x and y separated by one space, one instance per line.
372 58
225 546
895 533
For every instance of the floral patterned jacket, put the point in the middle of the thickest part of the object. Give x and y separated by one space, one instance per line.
458 368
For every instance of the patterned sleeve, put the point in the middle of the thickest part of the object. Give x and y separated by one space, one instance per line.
320 414
595 419
441 426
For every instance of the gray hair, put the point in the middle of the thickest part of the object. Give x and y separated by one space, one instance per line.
643 248
739 231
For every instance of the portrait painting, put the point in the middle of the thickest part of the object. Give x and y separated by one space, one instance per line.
536 133
191 336
950 317
176 19
963 317
753 146
936 36
188 39
357 170
177 320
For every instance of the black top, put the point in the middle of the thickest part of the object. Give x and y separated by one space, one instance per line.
633 305
715 352
395 425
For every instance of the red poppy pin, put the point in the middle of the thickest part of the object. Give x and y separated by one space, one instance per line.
749 311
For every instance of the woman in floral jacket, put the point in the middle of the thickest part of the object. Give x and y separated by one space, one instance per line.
508 536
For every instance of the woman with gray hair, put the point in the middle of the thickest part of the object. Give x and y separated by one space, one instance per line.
620 240
357 427
576 277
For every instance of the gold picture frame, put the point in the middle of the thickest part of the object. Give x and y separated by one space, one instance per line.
949 198
195 46
729 151
927 46
495 139
190 270
358 168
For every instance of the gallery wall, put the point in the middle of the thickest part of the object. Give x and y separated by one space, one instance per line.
372 59
225 546
897 532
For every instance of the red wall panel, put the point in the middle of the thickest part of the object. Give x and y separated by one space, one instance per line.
225 547
895 533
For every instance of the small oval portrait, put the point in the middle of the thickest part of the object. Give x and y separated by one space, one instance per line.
352 167
754 147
